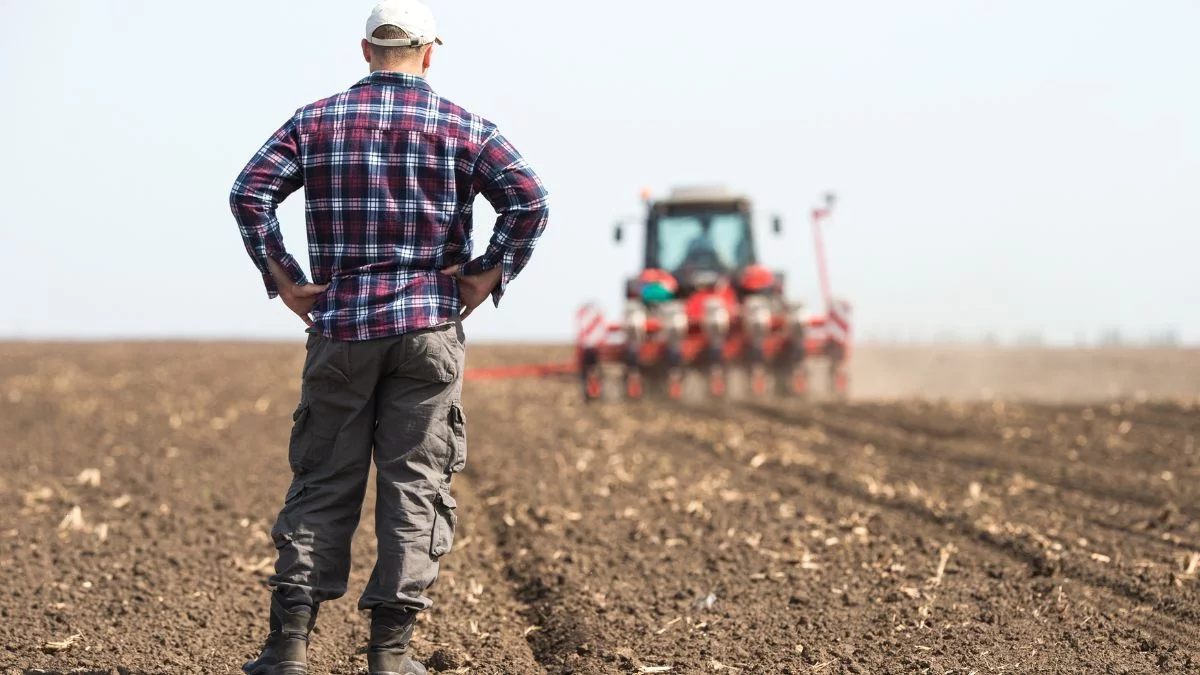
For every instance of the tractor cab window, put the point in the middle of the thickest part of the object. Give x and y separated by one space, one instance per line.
712 242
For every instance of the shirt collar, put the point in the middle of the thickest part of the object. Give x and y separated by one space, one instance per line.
394 79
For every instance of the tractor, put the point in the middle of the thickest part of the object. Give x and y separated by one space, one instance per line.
704 307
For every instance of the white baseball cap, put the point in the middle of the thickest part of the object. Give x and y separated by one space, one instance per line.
410 16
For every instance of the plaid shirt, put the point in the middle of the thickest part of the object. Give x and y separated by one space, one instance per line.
390 171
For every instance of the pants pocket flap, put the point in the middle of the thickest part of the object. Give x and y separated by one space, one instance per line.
444 522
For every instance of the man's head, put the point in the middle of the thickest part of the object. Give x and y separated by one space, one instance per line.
400 37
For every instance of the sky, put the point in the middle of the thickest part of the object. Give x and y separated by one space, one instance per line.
1017 167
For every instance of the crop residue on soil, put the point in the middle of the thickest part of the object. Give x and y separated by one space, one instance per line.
138 484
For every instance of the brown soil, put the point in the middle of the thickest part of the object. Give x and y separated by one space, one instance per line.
906 536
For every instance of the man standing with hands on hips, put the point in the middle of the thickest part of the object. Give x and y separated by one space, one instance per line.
390 171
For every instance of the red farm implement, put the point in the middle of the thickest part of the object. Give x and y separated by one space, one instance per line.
703 309
705 306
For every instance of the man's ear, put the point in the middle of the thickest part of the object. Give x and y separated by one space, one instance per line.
426 58
366 50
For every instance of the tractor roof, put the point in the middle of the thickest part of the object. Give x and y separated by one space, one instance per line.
703 194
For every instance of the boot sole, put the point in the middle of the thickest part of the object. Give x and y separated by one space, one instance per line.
416 670
281 668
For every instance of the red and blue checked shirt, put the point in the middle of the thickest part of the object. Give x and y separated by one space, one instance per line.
390 172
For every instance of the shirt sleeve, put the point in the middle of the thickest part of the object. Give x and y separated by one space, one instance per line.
271 175
506 180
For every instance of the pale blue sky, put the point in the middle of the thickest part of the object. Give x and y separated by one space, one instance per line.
1009 166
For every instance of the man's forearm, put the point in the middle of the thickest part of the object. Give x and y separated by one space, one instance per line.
260 233
271 175
511 246
283 280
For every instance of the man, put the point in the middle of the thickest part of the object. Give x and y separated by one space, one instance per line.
390 172
702 255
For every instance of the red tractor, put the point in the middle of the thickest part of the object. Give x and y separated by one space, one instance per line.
704 307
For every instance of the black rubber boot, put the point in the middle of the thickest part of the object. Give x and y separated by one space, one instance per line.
387 654
286 650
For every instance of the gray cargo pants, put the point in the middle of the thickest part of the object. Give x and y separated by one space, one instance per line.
397 397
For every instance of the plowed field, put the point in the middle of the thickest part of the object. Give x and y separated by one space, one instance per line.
1036 513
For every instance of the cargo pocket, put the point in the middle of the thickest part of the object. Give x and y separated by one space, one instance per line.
444 521
458 439
309 446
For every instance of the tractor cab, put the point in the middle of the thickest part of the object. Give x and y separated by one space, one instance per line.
699 241
696 239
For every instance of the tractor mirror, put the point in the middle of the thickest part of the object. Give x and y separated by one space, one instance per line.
777 225
618 232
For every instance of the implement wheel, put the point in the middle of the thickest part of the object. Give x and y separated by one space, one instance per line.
717 385
590 375
634 386
758 380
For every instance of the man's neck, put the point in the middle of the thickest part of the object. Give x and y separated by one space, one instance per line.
406 70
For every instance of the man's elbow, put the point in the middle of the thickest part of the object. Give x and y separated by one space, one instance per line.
532 210
237 196
539 203
244 196
535 218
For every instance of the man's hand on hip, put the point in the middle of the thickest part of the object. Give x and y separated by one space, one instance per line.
475 288
300 299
